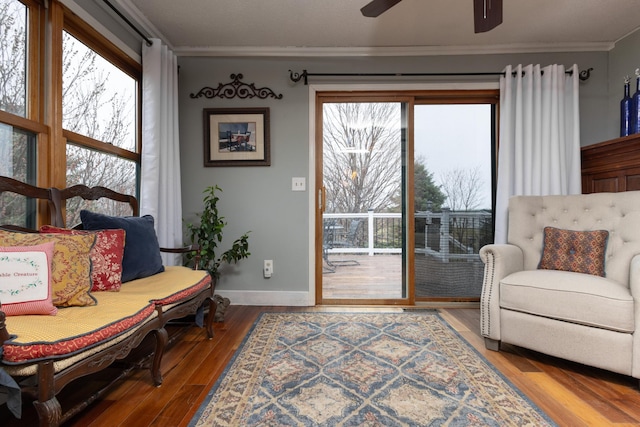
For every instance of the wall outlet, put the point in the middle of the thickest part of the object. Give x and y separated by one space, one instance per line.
267 270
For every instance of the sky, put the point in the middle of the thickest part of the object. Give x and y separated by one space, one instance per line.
457 136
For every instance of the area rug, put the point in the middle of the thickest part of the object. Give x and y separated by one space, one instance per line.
362 369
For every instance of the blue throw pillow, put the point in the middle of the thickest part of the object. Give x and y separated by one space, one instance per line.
141 249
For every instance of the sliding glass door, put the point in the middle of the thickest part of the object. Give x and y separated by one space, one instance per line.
404 195
364 193
454 146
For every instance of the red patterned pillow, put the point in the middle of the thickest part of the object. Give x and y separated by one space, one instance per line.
25 279
578 251
106 256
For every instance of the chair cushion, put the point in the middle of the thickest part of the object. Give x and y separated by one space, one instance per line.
573 297
577 251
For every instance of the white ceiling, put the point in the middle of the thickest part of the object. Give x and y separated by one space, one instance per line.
325 27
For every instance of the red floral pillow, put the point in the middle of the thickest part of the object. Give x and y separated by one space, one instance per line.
578 251
106 256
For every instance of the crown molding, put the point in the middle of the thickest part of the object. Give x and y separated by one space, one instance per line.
271 51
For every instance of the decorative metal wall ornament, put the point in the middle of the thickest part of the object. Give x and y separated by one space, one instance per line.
236 88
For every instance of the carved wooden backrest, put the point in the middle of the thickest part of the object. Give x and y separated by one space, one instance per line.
12 185
96 193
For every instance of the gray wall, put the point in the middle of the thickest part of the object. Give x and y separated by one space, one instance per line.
260 198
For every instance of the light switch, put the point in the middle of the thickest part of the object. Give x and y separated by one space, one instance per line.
298 184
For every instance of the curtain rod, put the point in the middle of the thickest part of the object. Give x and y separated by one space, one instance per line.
296 77
129 23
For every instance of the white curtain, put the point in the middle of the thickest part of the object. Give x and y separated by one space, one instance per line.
160 178
539 152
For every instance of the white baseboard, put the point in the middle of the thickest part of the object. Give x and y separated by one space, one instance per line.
268 298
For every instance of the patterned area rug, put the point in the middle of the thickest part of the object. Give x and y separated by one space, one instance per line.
362 369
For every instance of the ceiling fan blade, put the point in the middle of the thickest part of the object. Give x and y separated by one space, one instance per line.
378 7
487 14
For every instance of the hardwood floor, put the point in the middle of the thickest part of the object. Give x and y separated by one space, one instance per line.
571 394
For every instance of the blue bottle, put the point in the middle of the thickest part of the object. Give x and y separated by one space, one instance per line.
635 106
625 110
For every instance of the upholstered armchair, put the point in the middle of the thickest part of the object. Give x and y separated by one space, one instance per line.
562 288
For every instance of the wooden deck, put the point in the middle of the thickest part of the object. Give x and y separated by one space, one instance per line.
380 277
374 277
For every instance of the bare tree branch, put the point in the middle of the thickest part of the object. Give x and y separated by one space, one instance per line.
362 155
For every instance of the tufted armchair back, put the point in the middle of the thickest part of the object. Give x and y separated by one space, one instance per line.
618 213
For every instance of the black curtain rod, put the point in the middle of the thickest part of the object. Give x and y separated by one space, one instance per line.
129 23
296 77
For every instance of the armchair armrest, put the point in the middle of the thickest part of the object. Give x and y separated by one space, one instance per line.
500 260
634 287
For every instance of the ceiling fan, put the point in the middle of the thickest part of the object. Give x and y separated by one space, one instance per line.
487 14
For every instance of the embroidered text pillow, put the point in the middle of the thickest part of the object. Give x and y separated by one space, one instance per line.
70 266
578 251
106 256
25 280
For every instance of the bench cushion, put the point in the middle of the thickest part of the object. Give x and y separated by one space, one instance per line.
175 284
73 329
568 296
76 329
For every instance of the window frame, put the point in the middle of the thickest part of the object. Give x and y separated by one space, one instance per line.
43 113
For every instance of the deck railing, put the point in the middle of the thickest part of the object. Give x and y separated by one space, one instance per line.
445 234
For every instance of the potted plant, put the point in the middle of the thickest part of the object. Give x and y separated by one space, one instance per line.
208 234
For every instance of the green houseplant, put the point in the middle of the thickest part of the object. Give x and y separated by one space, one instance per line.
208 234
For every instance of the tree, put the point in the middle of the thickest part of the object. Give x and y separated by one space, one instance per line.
94 108
362 155
425 189
12 58
463 188
17 147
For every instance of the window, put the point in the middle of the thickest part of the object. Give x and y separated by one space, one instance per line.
99 118
13 57
18 132
78 123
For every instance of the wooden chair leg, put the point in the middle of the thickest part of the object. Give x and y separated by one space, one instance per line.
162 337
208 323
47 405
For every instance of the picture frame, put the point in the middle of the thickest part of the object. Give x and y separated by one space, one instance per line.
236 137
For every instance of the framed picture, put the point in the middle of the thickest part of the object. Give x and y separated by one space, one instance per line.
236 137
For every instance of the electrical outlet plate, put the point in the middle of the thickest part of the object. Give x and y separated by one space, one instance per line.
267 268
